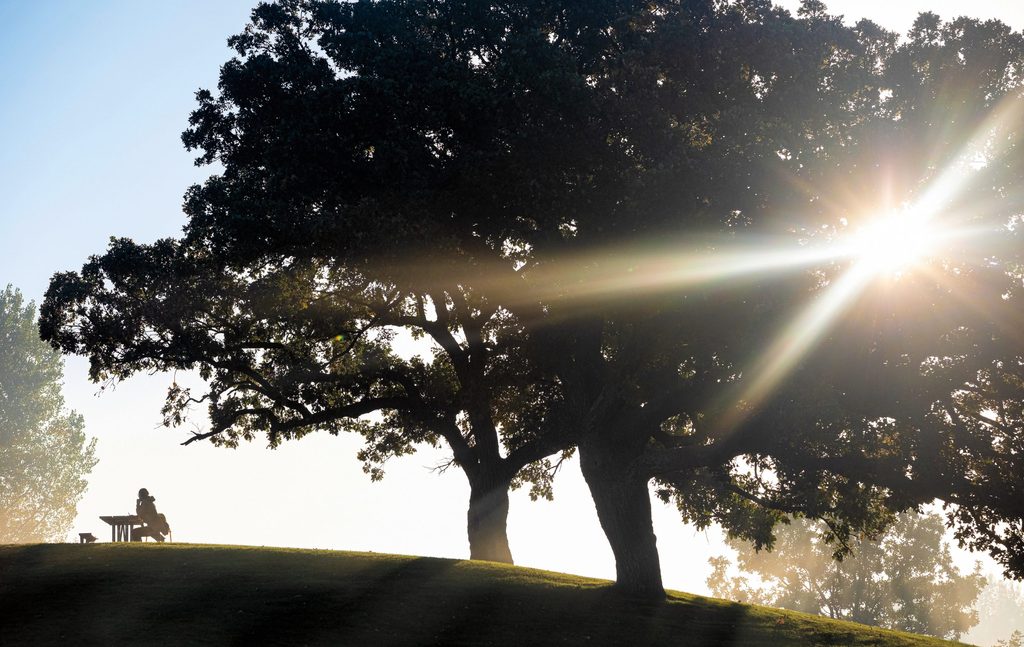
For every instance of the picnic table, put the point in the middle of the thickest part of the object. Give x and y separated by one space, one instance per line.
121 526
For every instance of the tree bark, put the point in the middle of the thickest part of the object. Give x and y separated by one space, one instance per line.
488 521
623 505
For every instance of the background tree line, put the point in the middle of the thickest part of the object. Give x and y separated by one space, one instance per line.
904 580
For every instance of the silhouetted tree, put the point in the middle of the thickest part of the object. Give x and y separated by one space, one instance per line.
538 188
904 579
44 455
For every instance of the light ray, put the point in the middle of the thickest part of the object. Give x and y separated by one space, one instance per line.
622 274
794 341
955 176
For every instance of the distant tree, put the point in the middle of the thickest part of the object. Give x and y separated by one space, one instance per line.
44 455
542 190
1000 612
905 579
1016 639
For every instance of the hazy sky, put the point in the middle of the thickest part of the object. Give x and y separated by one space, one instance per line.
93 98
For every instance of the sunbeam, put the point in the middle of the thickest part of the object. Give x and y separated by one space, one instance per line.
795 340
614 274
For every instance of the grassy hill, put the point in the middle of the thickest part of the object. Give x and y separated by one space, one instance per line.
194 594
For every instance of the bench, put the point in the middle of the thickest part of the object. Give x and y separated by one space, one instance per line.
121 526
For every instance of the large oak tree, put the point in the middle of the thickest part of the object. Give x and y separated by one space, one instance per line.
553 194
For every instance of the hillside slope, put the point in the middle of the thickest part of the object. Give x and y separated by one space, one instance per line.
193 594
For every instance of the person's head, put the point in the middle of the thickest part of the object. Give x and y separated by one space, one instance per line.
143 493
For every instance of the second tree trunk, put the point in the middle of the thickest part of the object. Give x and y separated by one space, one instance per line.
623 505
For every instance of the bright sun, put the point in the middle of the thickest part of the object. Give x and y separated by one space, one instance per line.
894 243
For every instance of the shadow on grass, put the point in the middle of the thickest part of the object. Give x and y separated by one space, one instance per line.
179 594
55 596
318 614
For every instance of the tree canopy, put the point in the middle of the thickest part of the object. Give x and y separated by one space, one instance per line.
626 227
904 579
44 455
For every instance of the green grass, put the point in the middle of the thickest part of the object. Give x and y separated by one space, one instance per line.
193 594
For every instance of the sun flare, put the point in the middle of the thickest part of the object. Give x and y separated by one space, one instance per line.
894 243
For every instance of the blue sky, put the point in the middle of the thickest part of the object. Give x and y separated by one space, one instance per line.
95 96
93 99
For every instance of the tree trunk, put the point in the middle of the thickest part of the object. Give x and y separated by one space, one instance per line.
624 508
487 522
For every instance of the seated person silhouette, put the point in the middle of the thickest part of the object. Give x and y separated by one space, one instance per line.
155 523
